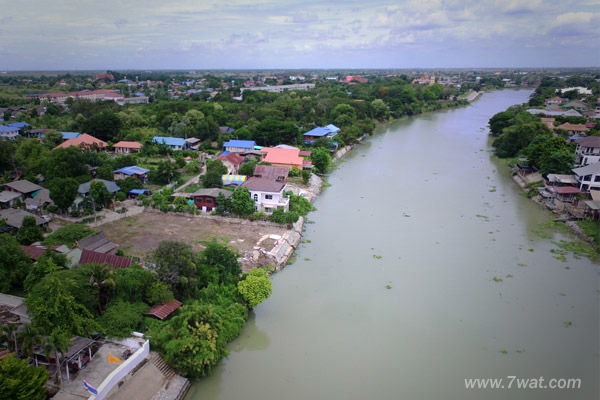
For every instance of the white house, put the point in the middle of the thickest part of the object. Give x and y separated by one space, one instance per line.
8 132
267 194
588 177
588 150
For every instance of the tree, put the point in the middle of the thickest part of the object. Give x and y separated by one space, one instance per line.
49 262
517 137
14 263
20 381
29 232
223 204
255 287
241 202
175 264
52 306
321 160
100 194
215 169
101 281
105 172
28 338
159 293
52 138
63 192
247 168
222 259
65 163
305 176
58 342
132 284
68 235
180 203
166 172
105 125
122 318
194 340
380 109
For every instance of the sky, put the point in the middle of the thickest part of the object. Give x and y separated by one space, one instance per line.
290 34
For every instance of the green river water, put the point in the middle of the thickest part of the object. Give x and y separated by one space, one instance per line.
424 208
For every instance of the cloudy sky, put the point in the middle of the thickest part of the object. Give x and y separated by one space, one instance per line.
203 34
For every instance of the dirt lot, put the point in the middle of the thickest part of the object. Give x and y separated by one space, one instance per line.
141 234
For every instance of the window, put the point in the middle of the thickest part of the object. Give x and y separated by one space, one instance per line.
268 196
255 197
208 200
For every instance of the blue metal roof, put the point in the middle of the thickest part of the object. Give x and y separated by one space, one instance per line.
225 153
6 129
245 144
169 141
139 94
132 170
70 135
318 131
139 191
332 128
18 125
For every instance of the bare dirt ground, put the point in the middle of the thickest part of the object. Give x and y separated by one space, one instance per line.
140 235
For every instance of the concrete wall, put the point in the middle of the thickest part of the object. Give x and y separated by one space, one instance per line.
123 369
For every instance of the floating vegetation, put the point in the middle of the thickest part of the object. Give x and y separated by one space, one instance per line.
405 215
493 189
309 241
532 250
377 257
520 351
491 233
306 259
388 286
496 279
568 323
563 294
578 249
504 351
509 276
542 234
482 216
325 184
560 254
309 221
522 265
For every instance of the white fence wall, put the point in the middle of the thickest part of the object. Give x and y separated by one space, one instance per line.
120 372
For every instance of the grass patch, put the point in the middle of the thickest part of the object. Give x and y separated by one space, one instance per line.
192 188
591 229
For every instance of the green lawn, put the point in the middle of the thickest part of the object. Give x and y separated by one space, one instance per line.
591 229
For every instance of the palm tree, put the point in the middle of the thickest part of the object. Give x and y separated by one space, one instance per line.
8 334
101 280
29 337
58 342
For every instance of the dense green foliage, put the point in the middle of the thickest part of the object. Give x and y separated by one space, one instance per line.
121 318
241 202
255 287
20 381
14 263
29 232
68 234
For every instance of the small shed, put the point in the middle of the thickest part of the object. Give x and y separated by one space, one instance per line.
162 311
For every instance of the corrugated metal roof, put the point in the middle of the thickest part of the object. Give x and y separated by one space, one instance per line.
132 170
245 144
169 141
162 311
88 256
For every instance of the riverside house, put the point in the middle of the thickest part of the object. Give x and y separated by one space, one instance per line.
206 199
588 177
588 150
285 158
134 171
125 147
172 142
267 195
239 146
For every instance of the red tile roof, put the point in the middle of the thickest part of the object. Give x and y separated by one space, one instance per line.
34 252
233 158
89 256
82 140
162 311
128 145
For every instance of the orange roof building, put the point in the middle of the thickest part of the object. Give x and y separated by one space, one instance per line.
285 157
124 147
85 142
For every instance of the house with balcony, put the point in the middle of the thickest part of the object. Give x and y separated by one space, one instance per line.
8 133
267 195
206 199
588 150
588 177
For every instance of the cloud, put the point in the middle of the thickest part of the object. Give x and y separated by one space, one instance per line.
519 6
121 22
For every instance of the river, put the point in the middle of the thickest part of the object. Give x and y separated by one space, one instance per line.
394 296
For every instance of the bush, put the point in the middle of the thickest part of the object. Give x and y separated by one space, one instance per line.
68 235
255 287
258 216
121 196
121 318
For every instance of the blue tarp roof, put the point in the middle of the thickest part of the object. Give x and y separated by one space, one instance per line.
139 94
70 135
245 144
18 125
169 141
225 153
139 191
132 170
